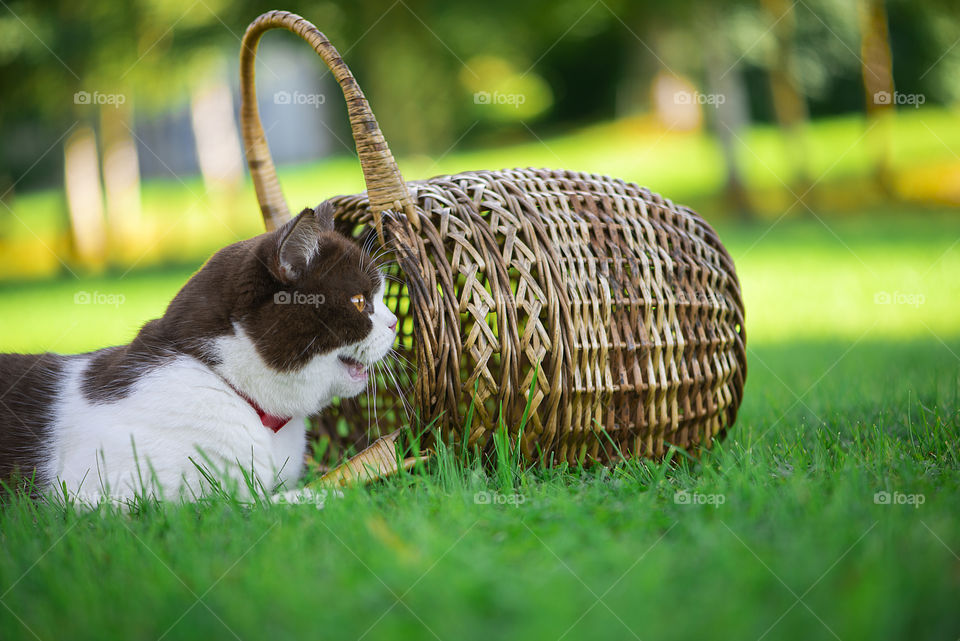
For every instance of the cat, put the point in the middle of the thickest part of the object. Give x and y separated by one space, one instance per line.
269 331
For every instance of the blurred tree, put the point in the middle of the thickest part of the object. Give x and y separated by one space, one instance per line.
72 62
421 63
694 40
877 63
84 197
731 116
121 174
807 51
215 132
925 46
789 103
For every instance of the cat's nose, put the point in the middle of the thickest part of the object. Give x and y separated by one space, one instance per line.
393 325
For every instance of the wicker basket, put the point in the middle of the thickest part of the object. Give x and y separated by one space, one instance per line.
601 315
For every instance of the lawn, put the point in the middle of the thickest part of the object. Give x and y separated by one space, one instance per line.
829 512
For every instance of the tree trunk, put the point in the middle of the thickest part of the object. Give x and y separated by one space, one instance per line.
84 196
877 71
215 132
121 175
789 103
731 115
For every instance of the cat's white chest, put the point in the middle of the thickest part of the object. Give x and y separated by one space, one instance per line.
177 422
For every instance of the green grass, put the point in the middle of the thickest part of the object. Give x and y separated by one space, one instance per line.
781 539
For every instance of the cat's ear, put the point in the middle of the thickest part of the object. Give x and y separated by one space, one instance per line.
298 242
325 215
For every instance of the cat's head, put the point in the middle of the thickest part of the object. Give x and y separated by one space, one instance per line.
298 315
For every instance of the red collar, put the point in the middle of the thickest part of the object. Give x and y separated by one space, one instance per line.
270 421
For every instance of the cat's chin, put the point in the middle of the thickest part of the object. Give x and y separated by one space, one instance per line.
353 377
343 374
356 370
346 389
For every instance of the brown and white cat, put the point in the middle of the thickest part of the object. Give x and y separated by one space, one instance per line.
269 331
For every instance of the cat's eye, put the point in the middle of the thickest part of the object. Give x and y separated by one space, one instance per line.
359 302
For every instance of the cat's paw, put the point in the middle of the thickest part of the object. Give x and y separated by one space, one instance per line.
306 496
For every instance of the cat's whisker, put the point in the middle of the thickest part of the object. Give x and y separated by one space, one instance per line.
382 269
369 241
400 392
376 418
367 248
369 415
402 359
383 251
388 247
379 266
373 238
304 350
405 371
384 372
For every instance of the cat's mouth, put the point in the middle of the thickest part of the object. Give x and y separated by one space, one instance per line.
356 369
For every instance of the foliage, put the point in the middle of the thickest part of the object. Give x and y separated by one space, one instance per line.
422 61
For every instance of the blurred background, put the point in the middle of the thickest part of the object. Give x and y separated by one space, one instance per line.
819 136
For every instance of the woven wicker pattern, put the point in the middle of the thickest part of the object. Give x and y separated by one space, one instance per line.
617 313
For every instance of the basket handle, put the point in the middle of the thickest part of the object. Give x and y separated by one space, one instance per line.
385 186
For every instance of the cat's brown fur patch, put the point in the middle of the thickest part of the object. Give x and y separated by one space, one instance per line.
30 383
289 290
